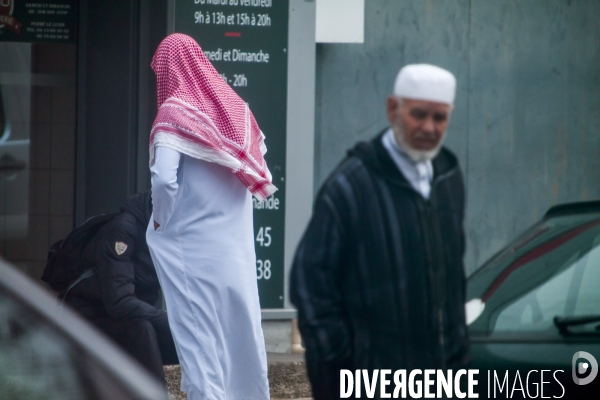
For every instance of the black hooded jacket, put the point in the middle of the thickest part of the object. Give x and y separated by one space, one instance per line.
378 277
124 284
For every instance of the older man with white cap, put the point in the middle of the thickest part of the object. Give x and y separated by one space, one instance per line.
378 277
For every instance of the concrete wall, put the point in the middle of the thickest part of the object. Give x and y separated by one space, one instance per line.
278 335
526 125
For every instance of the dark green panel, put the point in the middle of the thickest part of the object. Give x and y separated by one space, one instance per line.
230 32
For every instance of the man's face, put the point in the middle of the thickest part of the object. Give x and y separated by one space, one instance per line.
419 125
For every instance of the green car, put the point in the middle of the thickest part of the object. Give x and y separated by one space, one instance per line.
533 310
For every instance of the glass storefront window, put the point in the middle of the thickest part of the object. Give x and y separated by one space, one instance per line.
37 149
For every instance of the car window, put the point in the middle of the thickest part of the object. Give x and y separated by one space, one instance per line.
36 362
552 271
537 309
588 297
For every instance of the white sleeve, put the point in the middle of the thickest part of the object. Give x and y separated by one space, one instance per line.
164 183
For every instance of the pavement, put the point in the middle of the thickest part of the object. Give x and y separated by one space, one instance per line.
287 378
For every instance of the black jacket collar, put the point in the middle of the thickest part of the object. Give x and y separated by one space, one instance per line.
140 206
377 159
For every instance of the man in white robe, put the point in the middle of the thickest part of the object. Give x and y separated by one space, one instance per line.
206 153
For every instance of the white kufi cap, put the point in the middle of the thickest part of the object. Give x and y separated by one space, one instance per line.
425 82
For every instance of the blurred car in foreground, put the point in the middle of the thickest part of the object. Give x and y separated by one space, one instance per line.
534 306
49 353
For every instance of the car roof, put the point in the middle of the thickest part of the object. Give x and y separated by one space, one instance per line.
581 207
123 369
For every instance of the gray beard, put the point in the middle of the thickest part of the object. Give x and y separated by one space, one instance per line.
414 154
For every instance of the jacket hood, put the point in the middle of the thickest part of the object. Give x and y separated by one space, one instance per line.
376 158
140 206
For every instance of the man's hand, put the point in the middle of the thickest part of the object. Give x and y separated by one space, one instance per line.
156 225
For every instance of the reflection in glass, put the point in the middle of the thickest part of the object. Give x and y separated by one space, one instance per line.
15 101
37 149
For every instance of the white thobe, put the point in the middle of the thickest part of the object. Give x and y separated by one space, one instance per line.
204 256
418 174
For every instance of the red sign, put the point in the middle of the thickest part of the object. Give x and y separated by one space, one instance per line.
6 19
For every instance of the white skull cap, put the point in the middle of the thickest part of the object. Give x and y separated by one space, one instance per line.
425 82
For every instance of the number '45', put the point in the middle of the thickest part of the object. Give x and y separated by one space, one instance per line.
263 236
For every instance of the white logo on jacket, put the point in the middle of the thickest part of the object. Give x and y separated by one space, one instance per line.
120 248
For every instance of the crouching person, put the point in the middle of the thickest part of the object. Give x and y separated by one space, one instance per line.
119 296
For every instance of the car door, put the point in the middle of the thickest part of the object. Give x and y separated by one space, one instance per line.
47 352
539 305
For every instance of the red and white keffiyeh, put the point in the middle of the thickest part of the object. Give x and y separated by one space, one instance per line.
201 116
